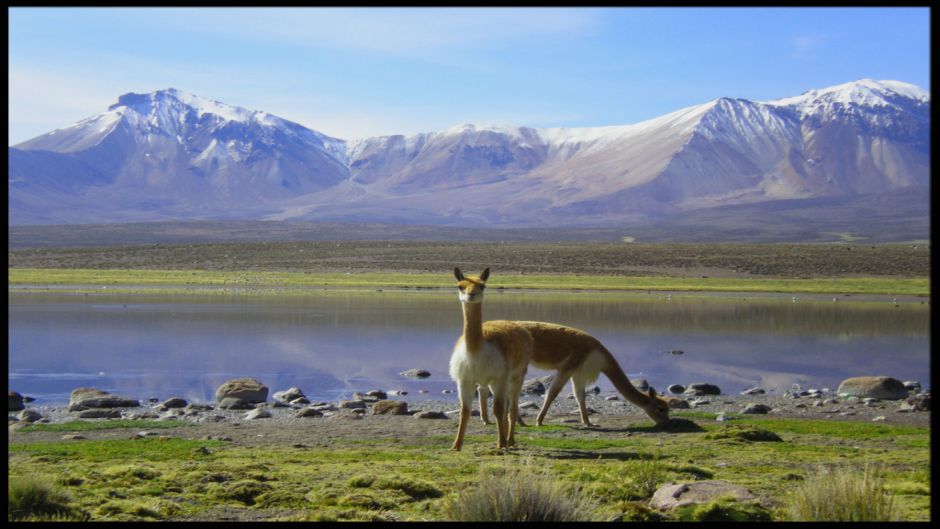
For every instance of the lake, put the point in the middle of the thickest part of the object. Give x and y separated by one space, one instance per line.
332 343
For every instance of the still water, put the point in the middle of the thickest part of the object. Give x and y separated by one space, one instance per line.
332 343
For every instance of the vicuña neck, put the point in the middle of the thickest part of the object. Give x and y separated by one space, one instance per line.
473 326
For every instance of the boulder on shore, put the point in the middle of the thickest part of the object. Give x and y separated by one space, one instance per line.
246 389
876 387
390 407
84 398
16 401
701 388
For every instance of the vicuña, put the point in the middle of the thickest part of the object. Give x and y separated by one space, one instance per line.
494 356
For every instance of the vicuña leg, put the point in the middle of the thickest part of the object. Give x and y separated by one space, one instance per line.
465 394
557 384
501 416
578 387
484 393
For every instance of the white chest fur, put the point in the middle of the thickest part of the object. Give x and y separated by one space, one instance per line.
481 367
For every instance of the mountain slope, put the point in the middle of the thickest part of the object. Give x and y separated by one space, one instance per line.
169 155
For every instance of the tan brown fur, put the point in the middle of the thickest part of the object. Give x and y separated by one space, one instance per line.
566 350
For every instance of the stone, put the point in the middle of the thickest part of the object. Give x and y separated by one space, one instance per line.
430 415
308 412
537 386
73 437
257 413
878 387
174 402
701 388
675 403
299 401
696 492
381 395
390 407
920 402
15 402
99 413
416 373
351 404
753 391
96 398
612 397
529 405
756 408
676 389
231 403
29 415
246 389
640 384
911 385
289 394
364 397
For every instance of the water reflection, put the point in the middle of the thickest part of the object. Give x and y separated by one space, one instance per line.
333 343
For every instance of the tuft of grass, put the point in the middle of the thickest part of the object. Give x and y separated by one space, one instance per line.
841 495
519 495
35 499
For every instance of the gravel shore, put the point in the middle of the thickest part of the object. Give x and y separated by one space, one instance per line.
610 416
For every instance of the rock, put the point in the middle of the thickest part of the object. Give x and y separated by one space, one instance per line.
351 404
324 407
381 395
701 388
397 393
640 384
612 398
73 437
430 415
99 413
95 398
675 403
920 402
289 394
174 402
447 391
593 388
142 416
246 389
756 408
257 413
879 387
911 385
695 492
753 391
308 412
537 386
390 407
676 389
29 415
16 401
364 397
231 403
299 401
416 373
200 407
529 405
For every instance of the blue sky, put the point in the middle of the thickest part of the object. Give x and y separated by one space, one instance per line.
366 71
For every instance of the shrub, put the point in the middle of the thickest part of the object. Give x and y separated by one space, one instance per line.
519 495
36 499
723 510
841 495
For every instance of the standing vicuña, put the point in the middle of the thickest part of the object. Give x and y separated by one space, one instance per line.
494 356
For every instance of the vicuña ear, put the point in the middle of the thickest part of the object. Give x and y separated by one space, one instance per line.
485 274
458 274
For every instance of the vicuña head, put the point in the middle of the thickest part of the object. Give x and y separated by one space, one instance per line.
470 289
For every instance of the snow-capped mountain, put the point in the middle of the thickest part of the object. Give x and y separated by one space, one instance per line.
171 155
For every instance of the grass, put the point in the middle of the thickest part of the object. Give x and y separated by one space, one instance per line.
88 426
841 495
30 498
265 282
613 472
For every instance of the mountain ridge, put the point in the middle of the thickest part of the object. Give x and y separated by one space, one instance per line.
170 155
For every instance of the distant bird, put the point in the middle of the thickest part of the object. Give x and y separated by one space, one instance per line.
676 352
794 299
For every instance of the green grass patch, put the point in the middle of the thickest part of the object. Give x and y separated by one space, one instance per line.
266 283
89 426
